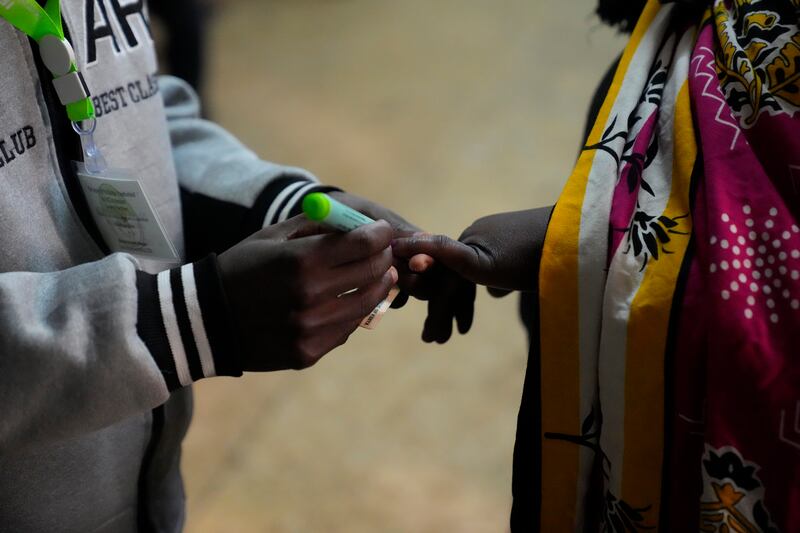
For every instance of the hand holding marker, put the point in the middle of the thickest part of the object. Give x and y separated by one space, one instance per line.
321 208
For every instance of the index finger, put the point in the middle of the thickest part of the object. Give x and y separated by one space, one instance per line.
361 243
453 254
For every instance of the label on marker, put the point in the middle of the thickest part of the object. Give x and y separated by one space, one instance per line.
372 319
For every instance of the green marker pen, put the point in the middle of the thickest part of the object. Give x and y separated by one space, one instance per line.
321 208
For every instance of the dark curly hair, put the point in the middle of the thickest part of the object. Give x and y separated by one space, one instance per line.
620 13
623 14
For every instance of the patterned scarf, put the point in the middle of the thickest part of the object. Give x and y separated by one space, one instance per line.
669 367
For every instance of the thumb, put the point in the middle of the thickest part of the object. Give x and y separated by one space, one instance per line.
465 260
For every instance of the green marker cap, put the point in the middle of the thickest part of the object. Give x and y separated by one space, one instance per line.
316 206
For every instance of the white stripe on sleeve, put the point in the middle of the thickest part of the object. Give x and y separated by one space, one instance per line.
276 203
196 321
171 325
296 198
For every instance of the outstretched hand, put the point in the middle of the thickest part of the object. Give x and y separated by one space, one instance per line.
409 281
289 288
499 251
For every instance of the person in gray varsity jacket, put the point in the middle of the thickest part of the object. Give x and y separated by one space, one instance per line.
98 349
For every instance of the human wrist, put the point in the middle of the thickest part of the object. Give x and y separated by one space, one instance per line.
280 200
184 320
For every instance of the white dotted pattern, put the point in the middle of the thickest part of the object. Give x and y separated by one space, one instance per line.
776 263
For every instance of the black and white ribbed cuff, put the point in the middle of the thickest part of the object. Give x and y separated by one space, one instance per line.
183 319
283 199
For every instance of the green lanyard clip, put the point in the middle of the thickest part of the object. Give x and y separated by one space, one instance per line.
43 24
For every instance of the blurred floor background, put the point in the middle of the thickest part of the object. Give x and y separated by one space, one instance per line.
444 110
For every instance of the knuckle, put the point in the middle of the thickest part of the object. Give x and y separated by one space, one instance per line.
288 261
487 258
343 339
301 324
308 358
440 241
304 262
374 268
296 324
304 356
374 295
263 234
386 259
305 295
365 240
365 306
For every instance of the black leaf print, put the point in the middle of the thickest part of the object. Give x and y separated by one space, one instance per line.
589 437
660 78
652 245
738 98
652 150
632 180
667 222
633 118
588 423
637 243
642 218
648 235
610 128
617 516
634 514
771 103
763 55
660 233
762 518
655 85
730 465
605 142
629 526
620 517
637 165
616 524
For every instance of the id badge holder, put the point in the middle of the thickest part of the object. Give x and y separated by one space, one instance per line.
120 208
119 205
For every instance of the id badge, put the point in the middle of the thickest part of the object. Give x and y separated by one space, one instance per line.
124 215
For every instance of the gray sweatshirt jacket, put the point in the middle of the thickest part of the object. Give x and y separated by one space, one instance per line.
97 349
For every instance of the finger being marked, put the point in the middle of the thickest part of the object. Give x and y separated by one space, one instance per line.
420 263
453 254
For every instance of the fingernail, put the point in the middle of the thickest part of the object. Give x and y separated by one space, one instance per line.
420 263
394 274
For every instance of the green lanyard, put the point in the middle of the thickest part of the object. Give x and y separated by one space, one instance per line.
43 24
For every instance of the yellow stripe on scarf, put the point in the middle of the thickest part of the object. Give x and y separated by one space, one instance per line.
647 334
558 293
